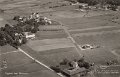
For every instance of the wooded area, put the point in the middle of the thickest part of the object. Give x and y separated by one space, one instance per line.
94 2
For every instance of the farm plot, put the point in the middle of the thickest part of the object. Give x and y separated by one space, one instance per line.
98 56
6 49
110 40
51 51
85 22
107 43
95 29
15 59
50 28
68 14
42 73
29 70
54 56
82 23
48 44
97 33
110 71
50 34
26 68
19 65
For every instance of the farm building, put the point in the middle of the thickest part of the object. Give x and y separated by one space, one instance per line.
29 35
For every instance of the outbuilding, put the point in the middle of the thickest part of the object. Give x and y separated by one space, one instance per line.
29 35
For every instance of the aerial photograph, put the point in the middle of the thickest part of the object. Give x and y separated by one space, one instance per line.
59 38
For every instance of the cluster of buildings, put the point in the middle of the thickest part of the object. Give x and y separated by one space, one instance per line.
34 16
85 6
39 18
25 29
73 68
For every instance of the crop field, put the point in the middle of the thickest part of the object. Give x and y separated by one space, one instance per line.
110 74
81 23
48 44
54 56
50 34
51 51
2 21
19 65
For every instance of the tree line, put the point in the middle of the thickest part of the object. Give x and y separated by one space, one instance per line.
94 2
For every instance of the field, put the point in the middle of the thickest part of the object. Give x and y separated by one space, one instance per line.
52 44
19 65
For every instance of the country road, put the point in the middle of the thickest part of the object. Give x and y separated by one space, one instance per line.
72 39
37 61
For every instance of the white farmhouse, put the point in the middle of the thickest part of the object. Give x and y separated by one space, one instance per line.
29 35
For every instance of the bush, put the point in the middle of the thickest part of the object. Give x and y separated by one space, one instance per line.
3 42
89 2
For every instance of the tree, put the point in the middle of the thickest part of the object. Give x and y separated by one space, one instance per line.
2 39
24 40
8 38
3 42
16 18
18 29
92 2
113 2
27 28
2 29
102 2
34 30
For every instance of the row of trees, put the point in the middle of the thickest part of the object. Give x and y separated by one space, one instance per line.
94 2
